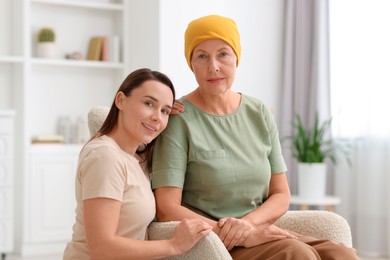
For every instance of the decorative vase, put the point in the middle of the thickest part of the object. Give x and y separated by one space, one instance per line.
312 180
46 50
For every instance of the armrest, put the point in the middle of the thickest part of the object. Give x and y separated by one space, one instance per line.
211 247
317 223
96 117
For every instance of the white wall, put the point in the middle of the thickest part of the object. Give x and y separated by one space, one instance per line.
158 41
143 34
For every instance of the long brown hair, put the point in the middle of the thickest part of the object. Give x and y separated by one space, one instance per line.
131 82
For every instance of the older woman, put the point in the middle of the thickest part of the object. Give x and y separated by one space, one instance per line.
221 161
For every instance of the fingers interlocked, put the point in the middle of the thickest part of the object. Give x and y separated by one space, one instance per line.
234 231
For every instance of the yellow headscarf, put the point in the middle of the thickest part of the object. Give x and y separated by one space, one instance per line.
211 27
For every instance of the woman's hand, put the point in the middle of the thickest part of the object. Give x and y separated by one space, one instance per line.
234 231
262 235
187 233
177 107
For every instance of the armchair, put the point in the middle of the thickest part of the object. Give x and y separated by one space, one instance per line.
316 223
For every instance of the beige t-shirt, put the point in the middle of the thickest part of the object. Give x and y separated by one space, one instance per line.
106 171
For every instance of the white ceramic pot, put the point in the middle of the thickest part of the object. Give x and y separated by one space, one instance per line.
312 180
46 50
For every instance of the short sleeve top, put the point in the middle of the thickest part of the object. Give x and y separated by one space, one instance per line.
106 171
223 163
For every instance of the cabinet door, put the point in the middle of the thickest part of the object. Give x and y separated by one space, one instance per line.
6 180
52 201
6 160
6 239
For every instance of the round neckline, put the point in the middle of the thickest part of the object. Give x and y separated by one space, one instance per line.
213 115
119 148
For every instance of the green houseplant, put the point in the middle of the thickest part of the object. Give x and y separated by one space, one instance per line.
46 35
310 144
46 47
311 148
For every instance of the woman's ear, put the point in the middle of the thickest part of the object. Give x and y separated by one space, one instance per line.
119 99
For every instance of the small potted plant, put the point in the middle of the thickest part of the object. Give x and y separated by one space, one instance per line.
311 148
46 47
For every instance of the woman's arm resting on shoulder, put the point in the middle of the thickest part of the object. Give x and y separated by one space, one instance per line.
101 220
177 107
169 208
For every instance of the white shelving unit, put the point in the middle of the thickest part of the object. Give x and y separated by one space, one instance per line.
43 90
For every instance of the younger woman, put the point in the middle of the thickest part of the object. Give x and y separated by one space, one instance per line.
115 203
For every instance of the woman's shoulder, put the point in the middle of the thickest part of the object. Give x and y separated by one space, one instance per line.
181 123
189 112
101 147
254 103
98 142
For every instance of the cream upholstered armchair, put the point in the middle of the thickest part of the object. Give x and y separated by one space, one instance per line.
316 223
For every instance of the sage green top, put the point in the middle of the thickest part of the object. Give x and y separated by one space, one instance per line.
223 163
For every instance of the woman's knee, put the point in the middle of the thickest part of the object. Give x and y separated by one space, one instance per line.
294 249
335 251
290 249
286 249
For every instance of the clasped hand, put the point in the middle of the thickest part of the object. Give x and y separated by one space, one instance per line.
240 232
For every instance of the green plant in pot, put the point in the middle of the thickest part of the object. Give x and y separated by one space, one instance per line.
311 148
46 47
46 35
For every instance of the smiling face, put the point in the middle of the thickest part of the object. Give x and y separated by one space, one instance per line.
214 65
144 113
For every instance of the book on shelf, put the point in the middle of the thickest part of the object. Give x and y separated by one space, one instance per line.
104 48
47 139
95 48
105 53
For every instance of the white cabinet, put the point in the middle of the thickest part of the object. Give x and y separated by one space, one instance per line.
43 90
6 180
49 190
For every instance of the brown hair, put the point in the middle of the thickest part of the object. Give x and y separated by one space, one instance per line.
131 82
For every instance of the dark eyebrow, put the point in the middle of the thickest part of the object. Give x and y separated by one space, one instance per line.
155 99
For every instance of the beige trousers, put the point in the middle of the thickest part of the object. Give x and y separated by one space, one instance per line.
304 248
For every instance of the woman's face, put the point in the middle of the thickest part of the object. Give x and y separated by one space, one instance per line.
145 111
214 65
